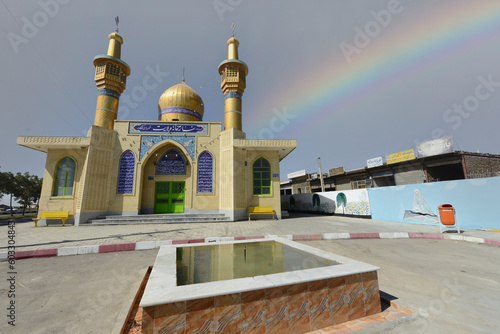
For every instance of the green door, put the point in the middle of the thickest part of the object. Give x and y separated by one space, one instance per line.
169 197
177 197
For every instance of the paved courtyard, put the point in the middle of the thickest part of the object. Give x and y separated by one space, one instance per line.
451 285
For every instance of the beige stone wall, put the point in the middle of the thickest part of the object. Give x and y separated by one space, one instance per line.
212 144
98 173
226 171
48 202
125 203
96 177
264 200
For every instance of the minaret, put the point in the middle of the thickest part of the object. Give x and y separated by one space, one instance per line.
233 74
110 77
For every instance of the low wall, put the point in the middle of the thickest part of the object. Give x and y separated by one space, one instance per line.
476 202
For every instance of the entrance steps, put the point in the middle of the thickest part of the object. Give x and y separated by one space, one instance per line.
172 218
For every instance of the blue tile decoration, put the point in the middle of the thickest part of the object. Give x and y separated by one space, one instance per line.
108 92
230 95
126 173
168 128
178 110
149 141
171 163
205 172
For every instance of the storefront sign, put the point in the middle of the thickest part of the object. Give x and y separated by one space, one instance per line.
375 162
336 171
435 147
400 156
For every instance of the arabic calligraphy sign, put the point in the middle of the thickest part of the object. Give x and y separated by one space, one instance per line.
171 163
205 173
378 161
126 174
167 128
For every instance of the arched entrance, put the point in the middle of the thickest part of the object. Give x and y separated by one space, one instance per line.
166 181
170 195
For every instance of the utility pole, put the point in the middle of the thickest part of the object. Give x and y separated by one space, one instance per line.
321 175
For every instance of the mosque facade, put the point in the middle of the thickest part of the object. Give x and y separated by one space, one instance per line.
176 164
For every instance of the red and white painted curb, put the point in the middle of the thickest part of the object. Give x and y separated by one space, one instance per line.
144 245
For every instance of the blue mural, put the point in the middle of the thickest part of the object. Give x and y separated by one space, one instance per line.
475 202
171 163
149 141
126 173
205 172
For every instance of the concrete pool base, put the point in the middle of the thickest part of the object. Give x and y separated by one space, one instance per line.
299 301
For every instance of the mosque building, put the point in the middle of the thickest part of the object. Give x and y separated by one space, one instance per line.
177 164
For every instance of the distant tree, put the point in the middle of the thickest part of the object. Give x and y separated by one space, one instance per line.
2 182
28 188
36 190
25 188
8 186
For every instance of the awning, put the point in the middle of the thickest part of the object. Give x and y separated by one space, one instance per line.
43 144
283 146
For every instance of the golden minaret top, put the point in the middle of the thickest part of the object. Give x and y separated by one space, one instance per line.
110 77
115 42
233 74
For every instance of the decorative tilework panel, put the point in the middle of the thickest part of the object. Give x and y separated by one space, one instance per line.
149 141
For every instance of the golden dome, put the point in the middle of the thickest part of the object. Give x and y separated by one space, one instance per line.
180 103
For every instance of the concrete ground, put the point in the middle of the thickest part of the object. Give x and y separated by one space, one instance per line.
55 236
452 285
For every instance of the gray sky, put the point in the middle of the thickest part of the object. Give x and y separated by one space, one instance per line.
350 80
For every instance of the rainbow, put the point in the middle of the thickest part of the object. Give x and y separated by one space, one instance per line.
391 56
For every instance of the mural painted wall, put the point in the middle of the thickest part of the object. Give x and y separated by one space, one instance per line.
475 202
349 202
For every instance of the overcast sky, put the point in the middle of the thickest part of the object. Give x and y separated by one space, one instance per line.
350 80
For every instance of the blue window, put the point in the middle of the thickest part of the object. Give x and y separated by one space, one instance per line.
126 173
205 172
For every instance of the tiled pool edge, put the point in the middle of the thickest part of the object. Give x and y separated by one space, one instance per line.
296 301
164 275
144 245
390 316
